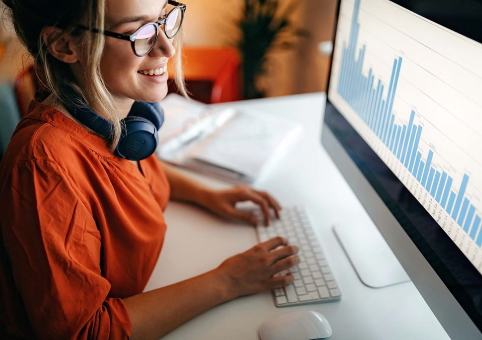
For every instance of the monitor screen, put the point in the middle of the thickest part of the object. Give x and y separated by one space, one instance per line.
405 87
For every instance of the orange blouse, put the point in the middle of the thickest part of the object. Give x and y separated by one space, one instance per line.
81 229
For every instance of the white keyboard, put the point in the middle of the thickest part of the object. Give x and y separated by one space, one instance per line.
313 278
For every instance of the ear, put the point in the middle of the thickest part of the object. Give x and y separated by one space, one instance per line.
61 45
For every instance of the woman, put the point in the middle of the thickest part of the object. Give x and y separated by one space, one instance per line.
82 228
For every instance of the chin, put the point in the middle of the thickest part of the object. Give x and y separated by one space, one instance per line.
152 95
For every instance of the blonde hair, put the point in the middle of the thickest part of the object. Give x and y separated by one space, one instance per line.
30 17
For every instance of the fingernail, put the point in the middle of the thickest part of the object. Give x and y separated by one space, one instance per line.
296 249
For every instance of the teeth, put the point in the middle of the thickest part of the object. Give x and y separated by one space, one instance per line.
156 72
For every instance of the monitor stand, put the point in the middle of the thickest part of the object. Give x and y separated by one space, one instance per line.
370 255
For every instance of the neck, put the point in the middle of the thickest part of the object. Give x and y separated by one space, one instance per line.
123 106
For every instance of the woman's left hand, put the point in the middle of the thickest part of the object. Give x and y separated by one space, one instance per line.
223 202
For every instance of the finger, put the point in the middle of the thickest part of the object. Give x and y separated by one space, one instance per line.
280 281
244 216
284 264
261 201
283 252
272 202
274 243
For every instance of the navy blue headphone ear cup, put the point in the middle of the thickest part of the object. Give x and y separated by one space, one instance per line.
139 139
150 111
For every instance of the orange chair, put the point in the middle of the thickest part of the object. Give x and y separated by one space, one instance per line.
212 73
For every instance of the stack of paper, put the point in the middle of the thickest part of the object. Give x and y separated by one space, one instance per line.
236 145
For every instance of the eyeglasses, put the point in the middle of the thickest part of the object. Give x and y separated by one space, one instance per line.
145 38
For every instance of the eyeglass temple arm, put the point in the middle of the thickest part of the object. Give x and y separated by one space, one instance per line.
118 35
109 33
175 3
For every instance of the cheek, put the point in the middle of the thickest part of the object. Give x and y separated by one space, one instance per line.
118 64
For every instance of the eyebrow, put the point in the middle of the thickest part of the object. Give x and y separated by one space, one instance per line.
134 19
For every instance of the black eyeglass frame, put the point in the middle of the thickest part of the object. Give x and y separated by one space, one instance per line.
132 37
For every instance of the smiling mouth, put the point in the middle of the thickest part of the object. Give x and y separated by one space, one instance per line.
154 72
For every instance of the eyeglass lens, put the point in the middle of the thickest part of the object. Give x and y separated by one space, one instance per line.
173 22
145 39
147 35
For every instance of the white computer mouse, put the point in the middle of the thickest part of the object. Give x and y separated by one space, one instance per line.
302 325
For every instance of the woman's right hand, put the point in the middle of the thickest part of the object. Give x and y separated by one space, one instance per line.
253 271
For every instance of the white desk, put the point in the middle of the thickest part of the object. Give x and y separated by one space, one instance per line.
197 241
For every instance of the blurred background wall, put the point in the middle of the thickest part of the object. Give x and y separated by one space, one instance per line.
301 69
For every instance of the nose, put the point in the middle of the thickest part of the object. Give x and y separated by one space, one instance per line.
164 46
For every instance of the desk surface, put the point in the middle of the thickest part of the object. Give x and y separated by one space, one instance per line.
197 241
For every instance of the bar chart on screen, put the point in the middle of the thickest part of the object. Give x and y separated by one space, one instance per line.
417 105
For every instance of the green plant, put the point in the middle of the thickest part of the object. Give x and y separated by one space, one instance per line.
262 31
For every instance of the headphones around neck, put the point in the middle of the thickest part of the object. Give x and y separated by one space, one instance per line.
139 138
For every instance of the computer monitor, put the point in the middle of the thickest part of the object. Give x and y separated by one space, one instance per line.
403 123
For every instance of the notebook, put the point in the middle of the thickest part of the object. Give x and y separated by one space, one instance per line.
239 146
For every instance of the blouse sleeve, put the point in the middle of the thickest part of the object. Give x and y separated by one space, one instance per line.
54 248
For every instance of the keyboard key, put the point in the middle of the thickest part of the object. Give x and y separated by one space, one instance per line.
307 279
325 270
320 256
311 287
291 293
335 292
281 300
308 297
279 291
296 276
316 274
317 250
331 284
322 263
314 268
323 292
328 277
313 239
305 272
301 291
302 265
298 283
312 261
319 282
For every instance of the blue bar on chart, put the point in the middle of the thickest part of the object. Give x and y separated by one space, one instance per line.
446 192
465 206
469 218
433 188
460 196
430 179
438 195
475 233
451 202
366 95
